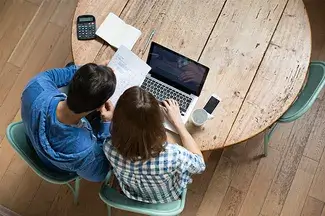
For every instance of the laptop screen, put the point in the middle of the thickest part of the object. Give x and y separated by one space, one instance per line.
176 70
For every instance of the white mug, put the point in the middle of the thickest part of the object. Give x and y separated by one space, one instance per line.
199 117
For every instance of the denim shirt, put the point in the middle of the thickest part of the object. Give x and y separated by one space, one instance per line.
72 148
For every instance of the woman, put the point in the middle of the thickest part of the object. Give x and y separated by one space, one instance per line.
147 167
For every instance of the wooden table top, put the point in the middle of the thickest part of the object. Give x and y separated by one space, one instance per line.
258 52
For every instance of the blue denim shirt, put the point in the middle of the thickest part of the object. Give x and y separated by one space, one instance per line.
59 146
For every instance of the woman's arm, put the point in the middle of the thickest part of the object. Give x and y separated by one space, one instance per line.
171 111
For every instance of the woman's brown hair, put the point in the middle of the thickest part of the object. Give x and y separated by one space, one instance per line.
137 129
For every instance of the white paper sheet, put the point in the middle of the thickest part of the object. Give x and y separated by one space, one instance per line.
129 70
116 32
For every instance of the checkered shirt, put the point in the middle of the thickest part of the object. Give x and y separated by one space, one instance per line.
158 180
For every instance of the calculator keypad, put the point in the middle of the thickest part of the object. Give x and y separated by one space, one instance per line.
86 30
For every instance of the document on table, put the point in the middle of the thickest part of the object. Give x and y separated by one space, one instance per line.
116 32
129 70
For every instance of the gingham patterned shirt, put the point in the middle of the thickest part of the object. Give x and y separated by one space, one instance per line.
158 180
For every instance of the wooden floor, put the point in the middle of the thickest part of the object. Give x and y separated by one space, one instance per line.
35 35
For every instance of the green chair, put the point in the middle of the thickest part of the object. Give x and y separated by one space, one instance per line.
20 142
114 199
306 98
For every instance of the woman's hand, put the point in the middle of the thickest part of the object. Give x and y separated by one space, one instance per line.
106 111
172 113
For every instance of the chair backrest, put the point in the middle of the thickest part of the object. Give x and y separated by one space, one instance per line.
116 200
19 141
314 85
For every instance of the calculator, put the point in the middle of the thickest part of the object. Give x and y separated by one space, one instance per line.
86 27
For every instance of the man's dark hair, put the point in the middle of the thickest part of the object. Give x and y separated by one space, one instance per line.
137 127
91 86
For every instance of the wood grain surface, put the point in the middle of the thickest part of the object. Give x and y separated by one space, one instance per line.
239 184
258 52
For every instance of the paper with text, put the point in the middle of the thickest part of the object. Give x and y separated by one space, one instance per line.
129 70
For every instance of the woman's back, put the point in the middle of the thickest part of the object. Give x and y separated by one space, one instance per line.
157 180
147 168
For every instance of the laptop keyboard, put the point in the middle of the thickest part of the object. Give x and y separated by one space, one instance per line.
163 92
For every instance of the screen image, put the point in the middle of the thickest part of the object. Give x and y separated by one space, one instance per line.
176 70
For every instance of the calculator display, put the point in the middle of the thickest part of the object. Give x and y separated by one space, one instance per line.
86 19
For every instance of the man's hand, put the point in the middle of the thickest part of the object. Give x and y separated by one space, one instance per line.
106 111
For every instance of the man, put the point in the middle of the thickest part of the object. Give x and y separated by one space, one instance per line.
56 124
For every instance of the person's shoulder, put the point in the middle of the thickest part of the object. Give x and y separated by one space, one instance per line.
179 153
35 90
83 135
173 151
108 147
170 157
43 82
109 150
72 139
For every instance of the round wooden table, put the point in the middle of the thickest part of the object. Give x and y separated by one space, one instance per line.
258 52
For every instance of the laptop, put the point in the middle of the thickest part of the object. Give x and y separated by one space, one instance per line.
174 76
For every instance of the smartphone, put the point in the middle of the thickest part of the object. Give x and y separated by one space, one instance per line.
211 104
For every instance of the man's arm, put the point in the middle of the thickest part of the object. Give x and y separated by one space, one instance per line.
57 77
106 115
94 167
101 129
96 170
104 132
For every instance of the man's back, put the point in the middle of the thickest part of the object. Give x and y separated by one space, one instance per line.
72 148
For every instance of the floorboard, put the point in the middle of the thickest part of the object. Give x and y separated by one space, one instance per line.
317 189
300 187
260 184
43 199
315 145
290 181
25 192
33 33
312 207
281 183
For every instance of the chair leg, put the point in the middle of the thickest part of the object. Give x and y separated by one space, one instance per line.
75 190
109 210
267 137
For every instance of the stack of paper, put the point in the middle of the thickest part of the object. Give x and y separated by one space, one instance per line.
129 70
116 32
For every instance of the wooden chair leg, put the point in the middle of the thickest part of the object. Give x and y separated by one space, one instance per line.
267 137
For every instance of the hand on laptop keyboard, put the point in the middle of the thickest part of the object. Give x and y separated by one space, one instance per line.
171 110
163 92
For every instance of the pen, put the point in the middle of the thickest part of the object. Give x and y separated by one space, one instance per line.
148 41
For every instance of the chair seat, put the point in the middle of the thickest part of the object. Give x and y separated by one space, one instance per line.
314 84
119 201
20 142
